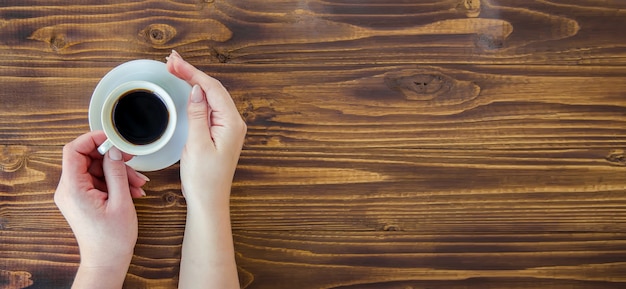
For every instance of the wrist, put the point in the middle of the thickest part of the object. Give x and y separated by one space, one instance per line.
202 199
105 259
208 210
96 276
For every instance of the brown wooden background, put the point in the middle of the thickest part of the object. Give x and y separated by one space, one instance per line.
391 144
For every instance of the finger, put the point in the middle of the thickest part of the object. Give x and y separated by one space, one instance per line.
84 148
227 127
218 98
135 178
199 135
136 192
77 154
126 157
116 177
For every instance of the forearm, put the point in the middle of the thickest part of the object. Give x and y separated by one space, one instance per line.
208 254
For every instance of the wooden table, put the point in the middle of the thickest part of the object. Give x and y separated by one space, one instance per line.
391 144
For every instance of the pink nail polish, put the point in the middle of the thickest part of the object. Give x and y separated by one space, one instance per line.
115 154
196 94
142 176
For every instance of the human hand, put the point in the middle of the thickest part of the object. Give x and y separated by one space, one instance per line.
94 195
216 136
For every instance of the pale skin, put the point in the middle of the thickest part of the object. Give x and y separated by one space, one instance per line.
95 193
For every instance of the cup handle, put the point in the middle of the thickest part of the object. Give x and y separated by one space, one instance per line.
105 147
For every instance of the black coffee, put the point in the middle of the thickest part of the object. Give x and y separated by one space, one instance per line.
140 117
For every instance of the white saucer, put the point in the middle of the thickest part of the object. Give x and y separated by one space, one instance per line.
156 72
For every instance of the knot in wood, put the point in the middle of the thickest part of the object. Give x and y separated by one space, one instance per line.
56 37
470 7
432 86
221 57
617 157
170 199
419 86
57 42
158 34
16 279
12 158
391 228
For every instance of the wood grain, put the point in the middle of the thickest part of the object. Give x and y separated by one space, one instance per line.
391 144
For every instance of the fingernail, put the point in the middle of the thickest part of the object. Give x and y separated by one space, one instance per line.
167 58
175 54
115 154
142 176
196 94
143 193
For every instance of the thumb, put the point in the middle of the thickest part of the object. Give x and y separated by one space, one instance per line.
198 111
116 177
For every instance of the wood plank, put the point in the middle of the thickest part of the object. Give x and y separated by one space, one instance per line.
391 32
397 106
381 259
425 191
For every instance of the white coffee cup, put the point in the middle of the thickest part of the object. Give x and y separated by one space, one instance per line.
138 118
